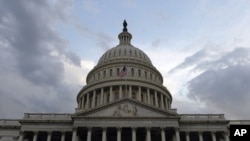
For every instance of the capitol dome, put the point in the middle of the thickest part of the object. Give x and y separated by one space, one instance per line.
125 51
140 82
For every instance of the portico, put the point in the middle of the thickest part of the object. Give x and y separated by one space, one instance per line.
123 134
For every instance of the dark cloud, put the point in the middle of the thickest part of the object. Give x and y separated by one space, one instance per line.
31 74
224 84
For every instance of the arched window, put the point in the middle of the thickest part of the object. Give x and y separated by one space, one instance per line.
117 71
110 72
104 74
132 72
139 73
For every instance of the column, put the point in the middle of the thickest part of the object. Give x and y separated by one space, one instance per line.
156 99
200 136
74 134
93 99
35 136
187 136
120 91
148 95
213 136
82 106
49 136
79 103
148 134
87 101
139 93
163 136
226 137
119 134
63 136
177 134
104 134
162 104
89 134
21 136
101 101
130 91
166 102
133 133
111 94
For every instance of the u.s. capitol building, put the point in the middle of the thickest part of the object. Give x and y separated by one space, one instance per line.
124 100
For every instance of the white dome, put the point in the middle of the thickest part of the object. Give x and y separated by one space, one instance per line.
125 52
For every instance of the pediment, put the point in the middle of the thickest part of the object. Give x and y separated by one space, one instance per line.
126 108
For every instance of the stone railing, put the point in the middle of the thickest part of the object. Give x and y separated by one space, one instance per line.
239 122
9 122
46 116
202 117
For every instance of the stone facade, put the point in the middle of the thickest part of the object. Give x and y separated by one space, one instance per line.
132 107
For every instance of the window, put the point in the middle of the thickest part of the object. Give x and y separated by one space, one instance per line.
117 71
110 72
132 72
104 74
133 95
139 73
145 74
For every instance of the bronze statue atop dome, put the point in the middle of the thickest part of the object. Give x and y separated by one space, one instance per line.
125 26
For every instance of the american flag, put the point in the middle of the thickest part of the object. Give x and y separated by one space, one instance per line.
123 72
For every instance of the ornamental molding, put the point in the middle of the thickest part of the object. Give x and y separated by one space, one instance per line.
123 110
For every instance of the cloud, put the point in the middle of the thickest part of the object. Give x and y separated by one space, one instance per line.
102 40
91 6
33 58
223 86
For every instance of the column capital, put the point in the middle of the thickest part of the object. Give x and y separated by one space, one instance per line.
162 128
177 128
148 128
133 128
118 128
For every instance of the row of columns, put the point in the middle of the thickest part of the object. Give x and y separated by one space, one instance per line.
21 137
226 137
164 102
148 135
133 129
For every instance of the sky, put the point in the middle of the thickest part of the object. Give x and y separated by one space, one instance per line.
202 49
